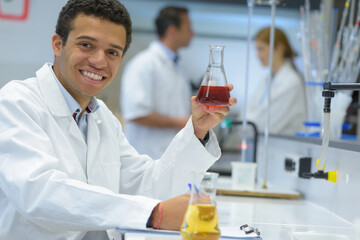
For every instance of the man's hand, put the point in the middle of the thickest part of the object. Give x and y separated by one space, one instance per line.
173 213
206 117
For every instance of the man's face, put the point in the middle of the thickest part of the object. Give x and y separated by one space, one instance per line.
90 58
185 32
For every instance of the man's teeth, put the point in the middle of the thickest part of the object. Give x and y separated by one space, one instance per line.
92 75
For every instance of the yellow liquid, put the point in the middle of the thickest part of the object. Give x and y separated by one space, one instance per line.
200 223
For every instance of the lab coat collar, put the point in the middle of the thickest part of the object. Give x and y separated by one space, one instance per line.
51 91
170 53
54 98
158 49
284 68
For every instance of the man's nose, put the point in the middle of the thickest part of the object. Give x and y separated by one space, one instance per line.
98 59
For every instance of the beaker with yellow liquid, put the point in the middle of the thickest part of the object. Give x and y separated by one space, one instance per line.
201 219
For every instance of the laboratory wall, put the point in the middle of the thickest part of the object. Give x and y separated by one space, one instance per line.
341 198
25 45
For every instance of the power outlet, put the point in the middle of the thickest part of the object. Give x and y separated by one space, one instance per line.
292 164
297 165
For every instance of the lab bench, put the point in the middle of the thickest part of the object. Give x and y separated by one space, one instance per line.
282 219
324 211
276 219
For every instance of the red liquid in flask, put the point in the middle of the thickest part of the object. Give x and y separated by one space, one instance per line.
213 96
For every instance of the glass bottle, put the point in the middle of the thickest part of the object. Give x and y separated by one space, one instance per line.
213 91
201 219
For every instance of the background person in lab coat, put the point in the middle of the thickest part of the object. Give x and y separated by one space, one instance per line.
66 169
154 93
287 102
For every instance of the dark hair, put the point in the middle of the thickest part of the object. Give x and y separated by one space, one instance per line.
111 10
169 16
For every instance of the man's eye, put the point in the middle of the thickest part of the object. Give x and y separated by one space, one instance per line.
87 45
114 53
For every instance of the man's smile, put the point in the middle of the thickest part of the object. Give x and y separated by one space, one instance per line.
92 76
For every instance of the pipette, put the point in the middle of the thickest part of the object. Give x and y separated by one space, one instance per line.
304 45
336 51
351 53
352 14
322 57
268 88
244 121
347 56
348 43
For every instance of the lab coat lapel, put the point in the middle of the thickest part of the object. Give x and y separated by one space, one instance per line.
93 140
75 132
77 143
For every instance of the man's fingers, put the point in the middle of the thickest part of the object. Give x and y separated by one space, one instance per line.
232 101
229 86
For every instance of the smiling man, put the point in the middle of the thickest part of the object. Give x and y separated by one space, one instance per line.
90 59
66 169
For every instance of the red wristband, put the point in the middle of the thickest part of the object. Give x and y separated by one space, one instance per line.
160 214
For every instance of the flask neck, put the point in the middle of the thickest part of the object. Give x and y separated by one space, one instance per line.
216 55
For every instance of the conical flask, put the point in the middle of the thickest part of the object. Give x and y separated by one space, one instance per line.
201 219
213 91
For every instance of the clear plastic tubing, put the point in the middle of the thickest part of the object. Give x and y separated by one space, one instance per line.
325 142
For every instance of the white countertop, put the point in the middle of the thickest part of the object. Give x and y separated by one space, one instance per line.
276 219
282 219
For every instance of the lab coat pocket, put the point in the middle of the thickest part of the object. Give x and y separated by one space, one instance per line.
112 173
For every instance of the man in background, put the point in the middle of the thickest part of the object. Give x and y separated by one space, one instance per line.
154 93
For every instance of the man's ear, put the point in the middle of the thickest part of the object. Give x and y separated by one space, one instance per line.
57 44
171 31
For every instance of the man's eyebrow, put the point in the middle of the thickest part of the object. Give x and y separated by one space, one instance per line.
87 38
117 47
95 40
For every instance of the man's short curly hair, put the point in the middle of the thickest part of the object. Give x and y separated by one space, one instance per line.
111 10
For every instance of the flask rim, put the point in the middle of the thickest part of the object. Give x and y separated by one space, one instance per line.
216 46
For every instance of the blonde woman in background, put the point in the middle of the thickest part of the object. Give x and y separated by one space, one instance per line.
287 102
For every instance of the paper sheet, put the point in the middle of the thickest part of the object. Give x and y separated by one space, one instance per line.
226 232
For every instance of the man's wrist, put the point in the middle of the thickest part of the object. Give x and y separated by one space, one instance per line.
149 223
205 140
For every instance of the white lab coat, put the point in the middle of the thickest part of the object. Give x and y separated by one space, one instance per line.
45 192
287 104
153 83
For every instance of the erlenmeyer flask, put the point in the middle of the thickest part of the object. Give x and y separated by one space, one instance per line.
201 219
213 91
